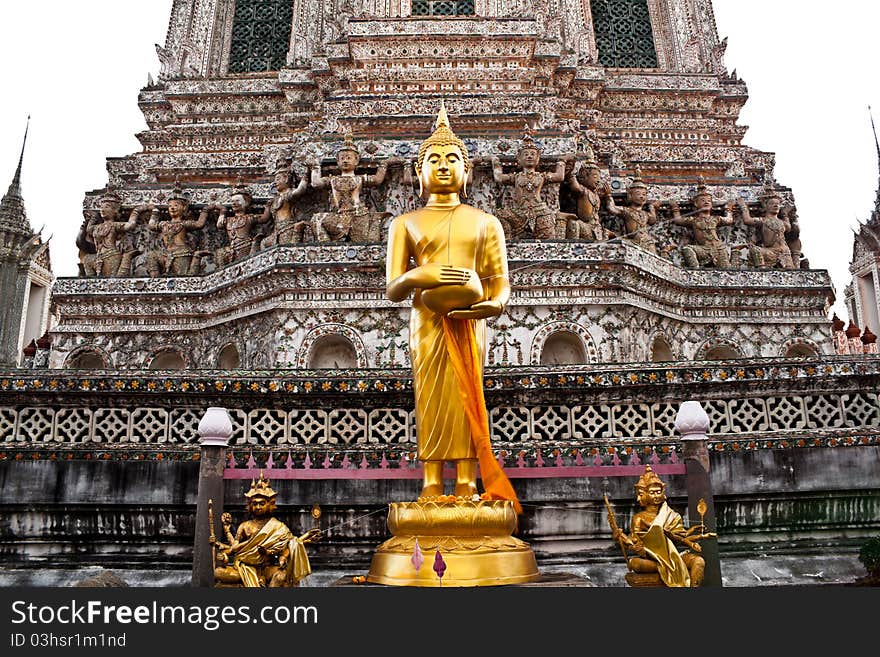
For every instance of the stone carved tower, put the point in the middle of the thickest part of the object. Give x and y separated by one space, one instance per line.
25 275
638 86
274 73
862 295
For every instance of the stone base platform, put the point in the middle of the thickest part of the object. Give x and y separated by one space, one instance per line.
544 580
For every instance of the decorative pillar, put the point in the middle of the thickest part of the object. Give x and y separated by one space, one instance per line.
854 338
215 429
693 424
869 342
838 331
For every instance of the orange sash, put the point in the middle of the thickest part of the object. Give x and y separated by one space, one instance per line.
461 343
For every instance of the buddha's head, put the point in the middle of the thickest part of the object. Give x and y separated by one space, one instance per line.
529 155
589 174
442 165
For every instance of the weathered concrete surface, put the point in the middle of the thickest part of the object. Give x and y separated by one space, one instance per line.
759 571
789 508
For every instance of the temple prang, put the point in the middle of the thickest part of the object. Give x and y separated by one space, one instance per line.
25 277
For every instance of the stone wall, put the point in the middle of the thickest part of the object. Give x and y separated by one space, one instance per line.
794 447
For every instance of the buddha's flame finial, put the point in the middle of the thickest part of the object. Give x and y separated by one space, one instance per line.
442 135
442 118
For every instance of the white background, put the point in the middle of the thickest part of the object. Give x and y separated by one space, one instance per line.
811 69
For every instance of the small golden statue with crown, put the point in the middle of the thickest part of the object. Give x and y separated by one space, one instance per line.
263 552
656 535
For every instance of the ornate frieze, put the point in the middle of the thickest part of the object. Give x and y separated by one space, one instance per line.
442 27
371 68
802 402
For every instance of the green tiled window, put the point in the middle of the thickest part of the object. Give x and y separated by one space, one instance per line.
443 8
623 33
260 35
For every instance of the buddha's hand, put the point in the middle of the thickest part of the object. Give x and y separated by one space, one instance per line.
480 310
434 275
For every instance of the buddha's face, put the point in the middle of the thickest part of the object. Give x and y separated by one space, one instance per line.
109 210
443 170
176 208
281 181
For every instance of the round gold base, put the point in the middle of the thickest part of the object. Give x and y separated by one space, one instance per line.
493 568
473 538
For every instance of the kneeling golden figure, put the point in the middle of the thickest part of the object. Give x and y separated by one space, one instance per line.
459 280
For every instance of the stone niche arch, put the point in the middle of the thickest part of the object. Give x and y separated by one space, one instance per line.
659 349
719 349
168 358
229 357
332 346
799 348
563 343
88 358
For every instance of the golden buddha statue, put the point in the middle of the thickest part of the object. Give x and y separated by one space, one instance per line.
459 280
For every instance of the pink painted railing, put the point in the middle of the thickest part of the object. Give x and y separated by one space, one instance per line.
540 469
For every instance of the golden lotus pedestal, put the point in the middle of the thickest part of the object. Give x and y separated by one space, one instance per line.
474 538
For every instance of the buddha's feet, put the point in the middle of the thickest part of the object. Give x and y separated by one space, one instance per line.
431 491
467 490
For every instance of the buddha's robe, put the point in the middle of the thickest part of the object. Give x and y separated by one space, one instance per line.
463 237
